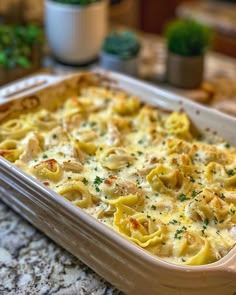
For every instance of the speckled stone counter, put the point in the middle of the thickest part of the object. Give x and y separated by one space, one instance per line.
31 264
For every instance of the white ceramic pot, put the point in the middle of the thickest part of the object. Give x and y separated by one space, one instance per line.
75 33
114 63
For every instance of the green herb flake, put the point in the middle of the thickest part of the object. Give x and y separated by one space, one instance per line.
231 172
183 198
98 180
195 193
206 221
85 181
174 221
222 196
232 211
97 189
179 232
153 207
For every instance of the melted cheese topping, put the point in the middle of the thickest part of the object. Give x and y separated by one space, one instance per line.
137 169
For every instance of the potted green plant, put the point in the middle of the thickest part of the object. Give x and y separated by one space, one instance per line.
75 29
120 52
187 41
19 51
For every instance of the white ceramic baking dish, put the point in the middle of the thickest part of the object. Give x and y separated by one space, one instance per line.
122 263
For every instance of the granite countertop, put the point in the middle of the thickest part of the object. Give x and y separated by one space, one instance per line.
31 264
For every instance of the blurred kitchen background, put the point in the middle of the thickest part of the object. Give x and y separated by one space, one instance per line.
148 20
147 15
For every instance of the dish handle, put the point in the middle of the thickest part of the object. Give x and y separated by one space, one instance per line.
26 85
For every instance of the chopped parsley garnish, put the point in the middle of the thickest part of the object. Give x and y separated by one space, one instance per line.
222 196
92 124
140 153
205 224
183 198
232 211
54 136
45 156
85 181
179 232
206 221
227 145
153 207
215 220
195 193
192 179
231 172
98 180
174 221
128 165
97 189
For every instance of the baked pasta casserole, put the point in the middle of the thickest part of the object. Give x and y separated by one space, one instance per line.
140 170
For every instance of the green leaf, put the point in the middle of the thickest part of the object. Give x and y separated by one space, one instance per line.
122 44
187 37
22 61
3 58
16 43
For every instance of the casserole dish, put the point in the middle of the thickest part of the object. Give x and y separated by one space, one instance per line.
125 265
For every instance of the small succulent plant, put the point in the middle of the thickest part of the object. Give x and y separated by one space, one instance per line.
76 2
122 44
16 43
187 37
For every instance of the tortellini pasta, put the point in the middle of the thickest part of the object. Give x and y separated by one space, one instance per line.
48 170
14 129
77 193
136 226
193 249
115 158
168 181
10 150
44 120
178 124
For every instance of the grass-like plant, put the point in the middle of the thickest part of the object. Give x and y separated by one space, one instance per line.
122 44
76 2
16 43
187 37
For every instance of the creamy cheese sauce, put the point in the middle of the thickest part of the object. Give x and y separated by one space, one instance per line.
137 169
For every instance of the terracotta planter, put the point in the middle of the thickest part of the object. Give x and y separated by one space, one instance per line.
75 33
114 63
185 72
7 76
